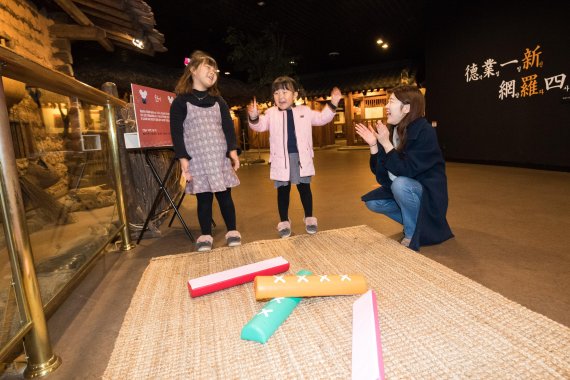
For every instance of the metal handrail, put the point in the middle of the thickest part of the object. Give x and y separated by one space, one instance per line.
34 74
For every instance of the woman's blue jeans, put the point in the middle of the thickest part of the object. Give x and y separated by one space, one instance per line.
405 206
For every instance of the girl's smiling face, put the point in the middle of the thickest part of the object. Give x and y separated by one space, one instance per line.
204 77
284 98
396 110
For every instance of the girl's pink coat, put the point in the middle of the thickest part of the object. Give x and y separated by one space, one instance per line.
275 121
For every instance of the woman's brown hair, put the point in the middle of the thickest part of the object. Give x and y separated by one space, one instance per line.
185 83
409 95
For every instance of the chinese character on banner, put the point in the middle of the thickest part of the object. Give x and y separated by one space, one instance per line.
471 73
488 69
556 81
507 89
509 63
529 86
532 58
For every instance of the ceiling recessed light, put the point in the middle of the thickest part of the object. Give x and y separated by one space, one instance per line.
138 43
334 54
379 41
384 46
261 3
227 73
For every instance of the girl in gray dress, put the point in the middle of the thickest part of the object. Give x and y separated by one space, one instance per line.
205 143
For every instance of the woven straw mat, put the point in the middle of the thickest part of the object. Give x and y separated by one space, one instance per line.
434 322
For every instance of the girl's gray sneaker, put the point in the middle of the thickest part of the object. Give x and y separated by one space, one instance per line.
233 238
284 229
310 225
204 243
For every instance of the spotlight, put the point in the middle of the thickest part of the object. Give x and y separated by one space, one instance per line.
138 43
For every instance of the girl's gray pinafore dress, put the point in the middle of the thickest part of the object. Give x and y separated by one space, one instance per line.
205 142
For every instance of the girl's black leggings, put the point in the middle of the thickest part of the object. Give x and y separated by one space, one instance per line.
283 196
227 209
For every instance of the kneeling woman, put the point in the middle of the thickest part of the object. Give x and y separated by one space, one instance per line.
410 168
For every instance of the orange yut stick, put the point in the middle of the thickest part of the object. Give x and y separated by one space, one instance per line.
308 286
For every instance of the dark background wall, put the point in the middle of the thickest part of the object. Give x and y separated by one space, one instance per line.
473 123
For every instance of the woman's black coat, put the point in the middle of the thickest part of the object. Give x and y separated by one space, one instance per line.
422 160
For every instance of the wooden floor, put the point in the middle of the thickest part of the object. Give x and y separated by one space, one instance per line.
511 229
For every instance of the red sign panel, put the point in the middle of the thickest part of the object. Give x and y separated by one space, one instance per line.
152 112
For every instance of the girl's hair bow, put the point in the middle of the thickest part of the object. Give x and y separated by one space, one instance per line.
186 61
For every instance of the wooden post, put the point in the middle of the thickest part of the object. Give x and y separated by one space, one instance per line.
349 105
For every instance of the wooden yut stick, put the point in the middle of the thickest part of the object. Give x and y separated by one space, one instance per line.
236 276
367 360
308 286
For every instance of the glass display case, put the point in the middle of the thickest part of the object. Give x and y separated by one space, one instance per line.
61 197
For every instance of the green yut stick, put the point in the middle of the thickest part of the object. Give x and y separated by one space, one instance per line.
271 316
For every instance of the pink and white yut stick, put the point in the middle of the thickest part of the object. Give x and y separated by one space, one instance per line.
236 276
367 362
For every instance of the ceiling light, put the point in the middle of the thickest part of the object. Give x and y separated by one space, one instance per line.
379 41
334 54
138 43
261 3
385 46
227 73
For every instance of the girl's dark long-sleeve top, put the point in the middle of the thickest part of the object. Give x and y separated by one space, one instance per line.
178 112
422 160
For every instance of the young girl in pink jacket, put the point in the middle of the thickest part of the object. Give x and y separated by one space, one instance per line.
291 146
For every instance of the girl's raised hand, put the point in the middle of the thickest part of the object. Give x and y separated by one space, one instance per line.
367 133
336 96
252 109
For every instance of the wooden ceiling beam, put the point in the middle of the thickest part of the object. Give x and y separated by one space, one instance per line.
145 14
157 35
114 28
101 7
117 4
146 22
138 4
79 17
142 16
77 32
82 33
119 36
155 40
117 17
75 13
111 27
120 25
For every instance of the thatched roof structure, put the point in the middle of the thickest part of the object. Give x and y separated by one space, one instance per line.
128 24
